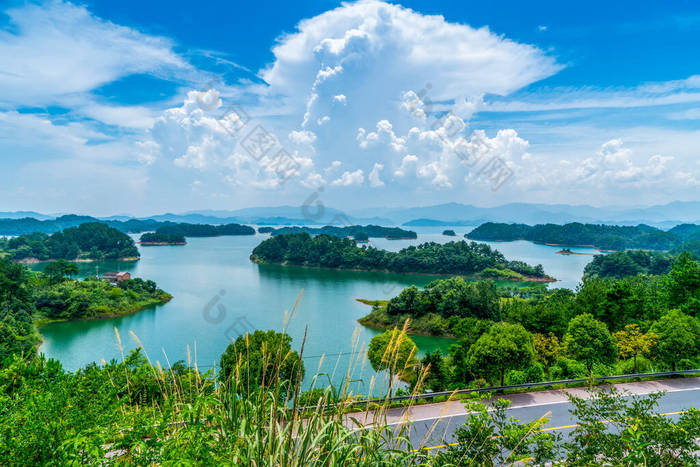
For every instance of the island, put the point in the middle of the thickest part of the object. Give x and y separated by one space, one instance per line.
205 230
54 295
629 263
600 236
371 231
159 239
87 242
264 230
462 258
449 233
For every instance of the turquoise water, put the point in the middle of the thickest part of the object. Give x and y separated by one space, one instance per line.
219 294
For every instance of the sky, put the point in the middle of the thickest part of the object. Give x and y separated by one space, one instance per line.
148 107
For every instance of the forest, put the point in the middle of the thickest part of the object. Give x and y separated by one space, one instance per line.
605 237
157 238
27 297
607 326
358 232
205 230
91 240
461 258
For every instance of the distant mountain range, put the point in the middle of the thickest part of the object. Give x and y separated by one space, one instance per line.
663 216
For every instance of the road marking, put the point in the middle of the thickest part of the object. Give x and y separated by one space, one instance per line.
563 427
512 407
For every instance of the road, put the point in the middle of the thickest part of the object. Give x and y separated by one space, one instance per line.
433 425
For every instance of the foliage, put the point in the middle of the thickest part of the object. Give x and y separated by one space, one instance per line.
395 352
261 360
631 343
332 252
606 237
91 298
678 338
156 237
490 437
589 341
503 347
91 240
59 270
204 230
615 430
448 297
628 263
547 349
365 231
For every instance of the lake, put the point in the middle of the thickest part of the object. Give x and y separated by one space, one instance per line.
219 294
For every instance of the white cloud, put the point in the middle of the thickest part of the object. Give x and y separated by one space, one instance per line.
349 178
340 98
57 49
302 137
373 177
407 162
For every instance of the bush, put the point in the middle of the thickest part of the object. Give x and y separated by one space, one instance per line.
565 368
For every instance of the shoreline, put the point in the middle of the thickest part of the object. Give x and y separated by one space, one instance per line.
40 322
31 261
161 243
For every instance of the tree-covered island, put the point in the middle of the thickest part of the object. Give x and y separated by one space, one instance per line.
454 258
156 238
604 237
358 232
86 242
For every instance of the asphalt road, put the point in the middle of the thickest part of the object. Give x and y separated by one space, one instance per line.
433 425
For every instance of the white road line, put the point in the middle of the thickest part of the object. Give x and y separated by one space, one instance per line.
625 393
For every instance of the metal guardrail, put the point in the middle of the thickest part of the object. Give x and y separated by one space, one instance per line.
433 395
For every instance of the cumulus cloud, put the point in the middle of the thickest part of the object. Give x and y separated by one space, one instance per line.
350 178
374 178
56 49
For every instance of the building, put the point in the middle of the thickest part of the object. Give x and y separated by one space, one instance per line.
114 277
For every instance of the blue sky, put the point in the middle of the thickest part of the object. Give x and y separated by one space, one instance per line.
597 103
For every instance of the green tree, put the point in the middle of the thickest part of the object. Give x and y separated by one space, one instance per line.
589 341
261 360
395 352
59 270
504 347
678 338
435 371
632 342
683 283
547 350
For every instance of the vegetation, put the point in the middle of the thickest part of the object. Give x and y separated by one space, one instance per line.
370 231
31 225
86 241
461 258
262 360
162 239
137 413
503 347
264 230
629 263
606 237
607 326
394 352
27 297
589 341
205 230
449 233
